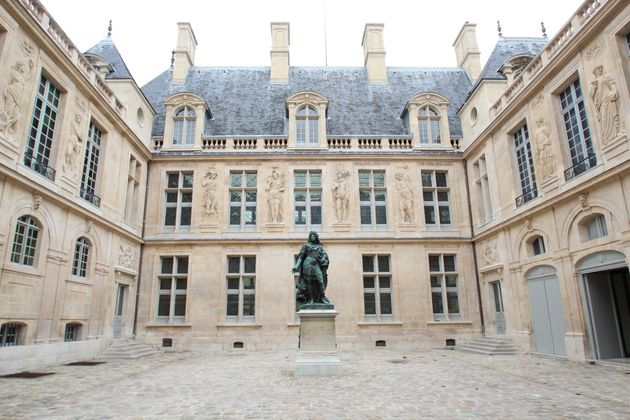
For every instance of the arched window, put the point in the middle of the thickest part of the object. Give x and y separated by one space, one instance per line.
25 241
429 124
307 121
596 227
10 334
537 245
80 260
184 126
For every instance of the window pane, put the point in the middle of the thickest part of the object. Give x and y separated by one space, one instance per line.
426 179
234 264
170 216
386 303
250 179
316 215
180 305
236 179
368 282
167 265
368 264
366 215
173 180
429 215
451 280
185 216
188 180
445 215
385 282
369 303
453 302
427 195
316 179
300 179
250 215
235 196
449 263
250 264
316 196
438 306
165 284
232 305
300 196
379 195
249 283
182 265
181 284
232 284
435 281
383 263
250 197
364 179
440 179
379 179
171 197
434 262
164 305
187 197
364 195
300 215
235 215
249 302
381 215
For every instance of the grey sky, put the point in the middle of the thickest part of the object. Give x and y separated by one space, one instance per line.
417 33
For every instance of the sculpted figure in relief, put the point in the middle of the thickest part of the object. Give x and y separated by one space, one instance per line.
604 94
73 150
275 190
210 197
126 258
489 253
544 150
405 197
12 95
341 195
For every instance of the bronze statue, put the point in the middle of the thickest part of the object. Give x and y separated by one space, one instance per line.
312 264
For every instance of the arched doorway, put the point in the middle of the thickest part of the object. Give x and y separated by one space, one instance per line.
545 304
606 285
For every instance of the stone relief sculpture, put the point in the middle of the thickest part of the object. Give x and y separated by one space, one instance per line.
544 150
275 191
604 94
341 195
126 257
72 157
312 265
489 254
405 198
210 195
20 73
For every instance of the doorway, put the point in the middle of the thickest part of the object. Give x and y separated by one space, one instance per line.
119 311
545 304
499 316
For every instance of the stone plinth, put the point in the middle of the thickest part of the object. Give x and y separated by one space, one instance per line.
317 355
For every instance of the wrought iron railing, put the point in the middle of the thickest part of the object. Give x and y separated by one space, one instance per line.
529 195
580 167
88 195
40 167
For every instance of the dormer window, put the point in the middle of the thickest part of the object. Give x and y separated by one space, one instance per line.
184 126
429 125
306 124
307 120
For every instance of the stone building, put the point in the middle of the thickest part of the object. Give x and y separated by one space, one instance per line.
453 202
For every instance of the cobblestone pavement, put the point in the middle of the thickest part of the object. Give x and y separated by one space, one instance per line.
375 384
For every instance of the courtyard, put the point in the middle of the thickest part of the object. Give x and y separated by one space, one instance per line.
380 383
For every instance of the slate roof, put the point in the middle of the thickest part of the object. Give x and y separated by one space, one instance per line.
108 51
243 102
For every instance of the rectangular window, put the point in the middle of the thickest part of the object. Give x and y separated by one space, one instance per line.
179 192
525 162
373 197
241 288
173 284
577 131
482 186
90 166
133 185
377 288
243 199
435 193
307 196
40 139
80 258
444 292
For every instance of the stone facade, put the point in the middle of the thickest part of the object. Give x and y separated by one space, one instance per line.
452 202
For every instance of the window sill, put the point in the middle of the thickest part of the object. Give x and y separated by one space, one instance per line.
450 323
239 325
168 325
379 324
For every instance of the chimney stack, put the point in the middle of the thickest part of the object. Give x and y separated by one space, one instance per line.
467 50
280 39
184 51
374 53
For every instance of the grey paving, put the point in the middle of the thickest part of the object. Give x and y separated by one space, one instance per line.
376 384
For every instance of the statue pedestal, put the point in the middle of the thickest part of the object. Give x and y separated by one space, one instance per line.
317 355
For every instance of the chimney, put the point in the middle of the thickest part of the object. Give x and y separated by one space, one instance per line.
374 53
280 39
467 50
184 51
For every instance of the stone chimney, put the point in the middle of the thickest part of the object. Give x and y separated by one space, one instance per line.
467 50
184 51
280 40
374 52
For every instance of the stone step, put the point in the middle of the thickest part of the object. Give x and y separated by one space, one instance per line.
127 349
489 346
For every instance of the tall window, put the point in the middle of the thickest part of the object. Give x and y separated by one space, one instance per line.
40 138
241 288
25 241
133 185
444 293
377 287
307 122
178 199
538 245
577 130
308 198
173 283
372 194
435 194
243 199
596 227
80 259
525 161
429 124
483 189
72 332
90 166
10 334
184 126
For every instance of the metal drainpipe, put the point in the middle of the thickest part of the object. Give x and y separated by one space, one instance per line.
144 217
474 250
